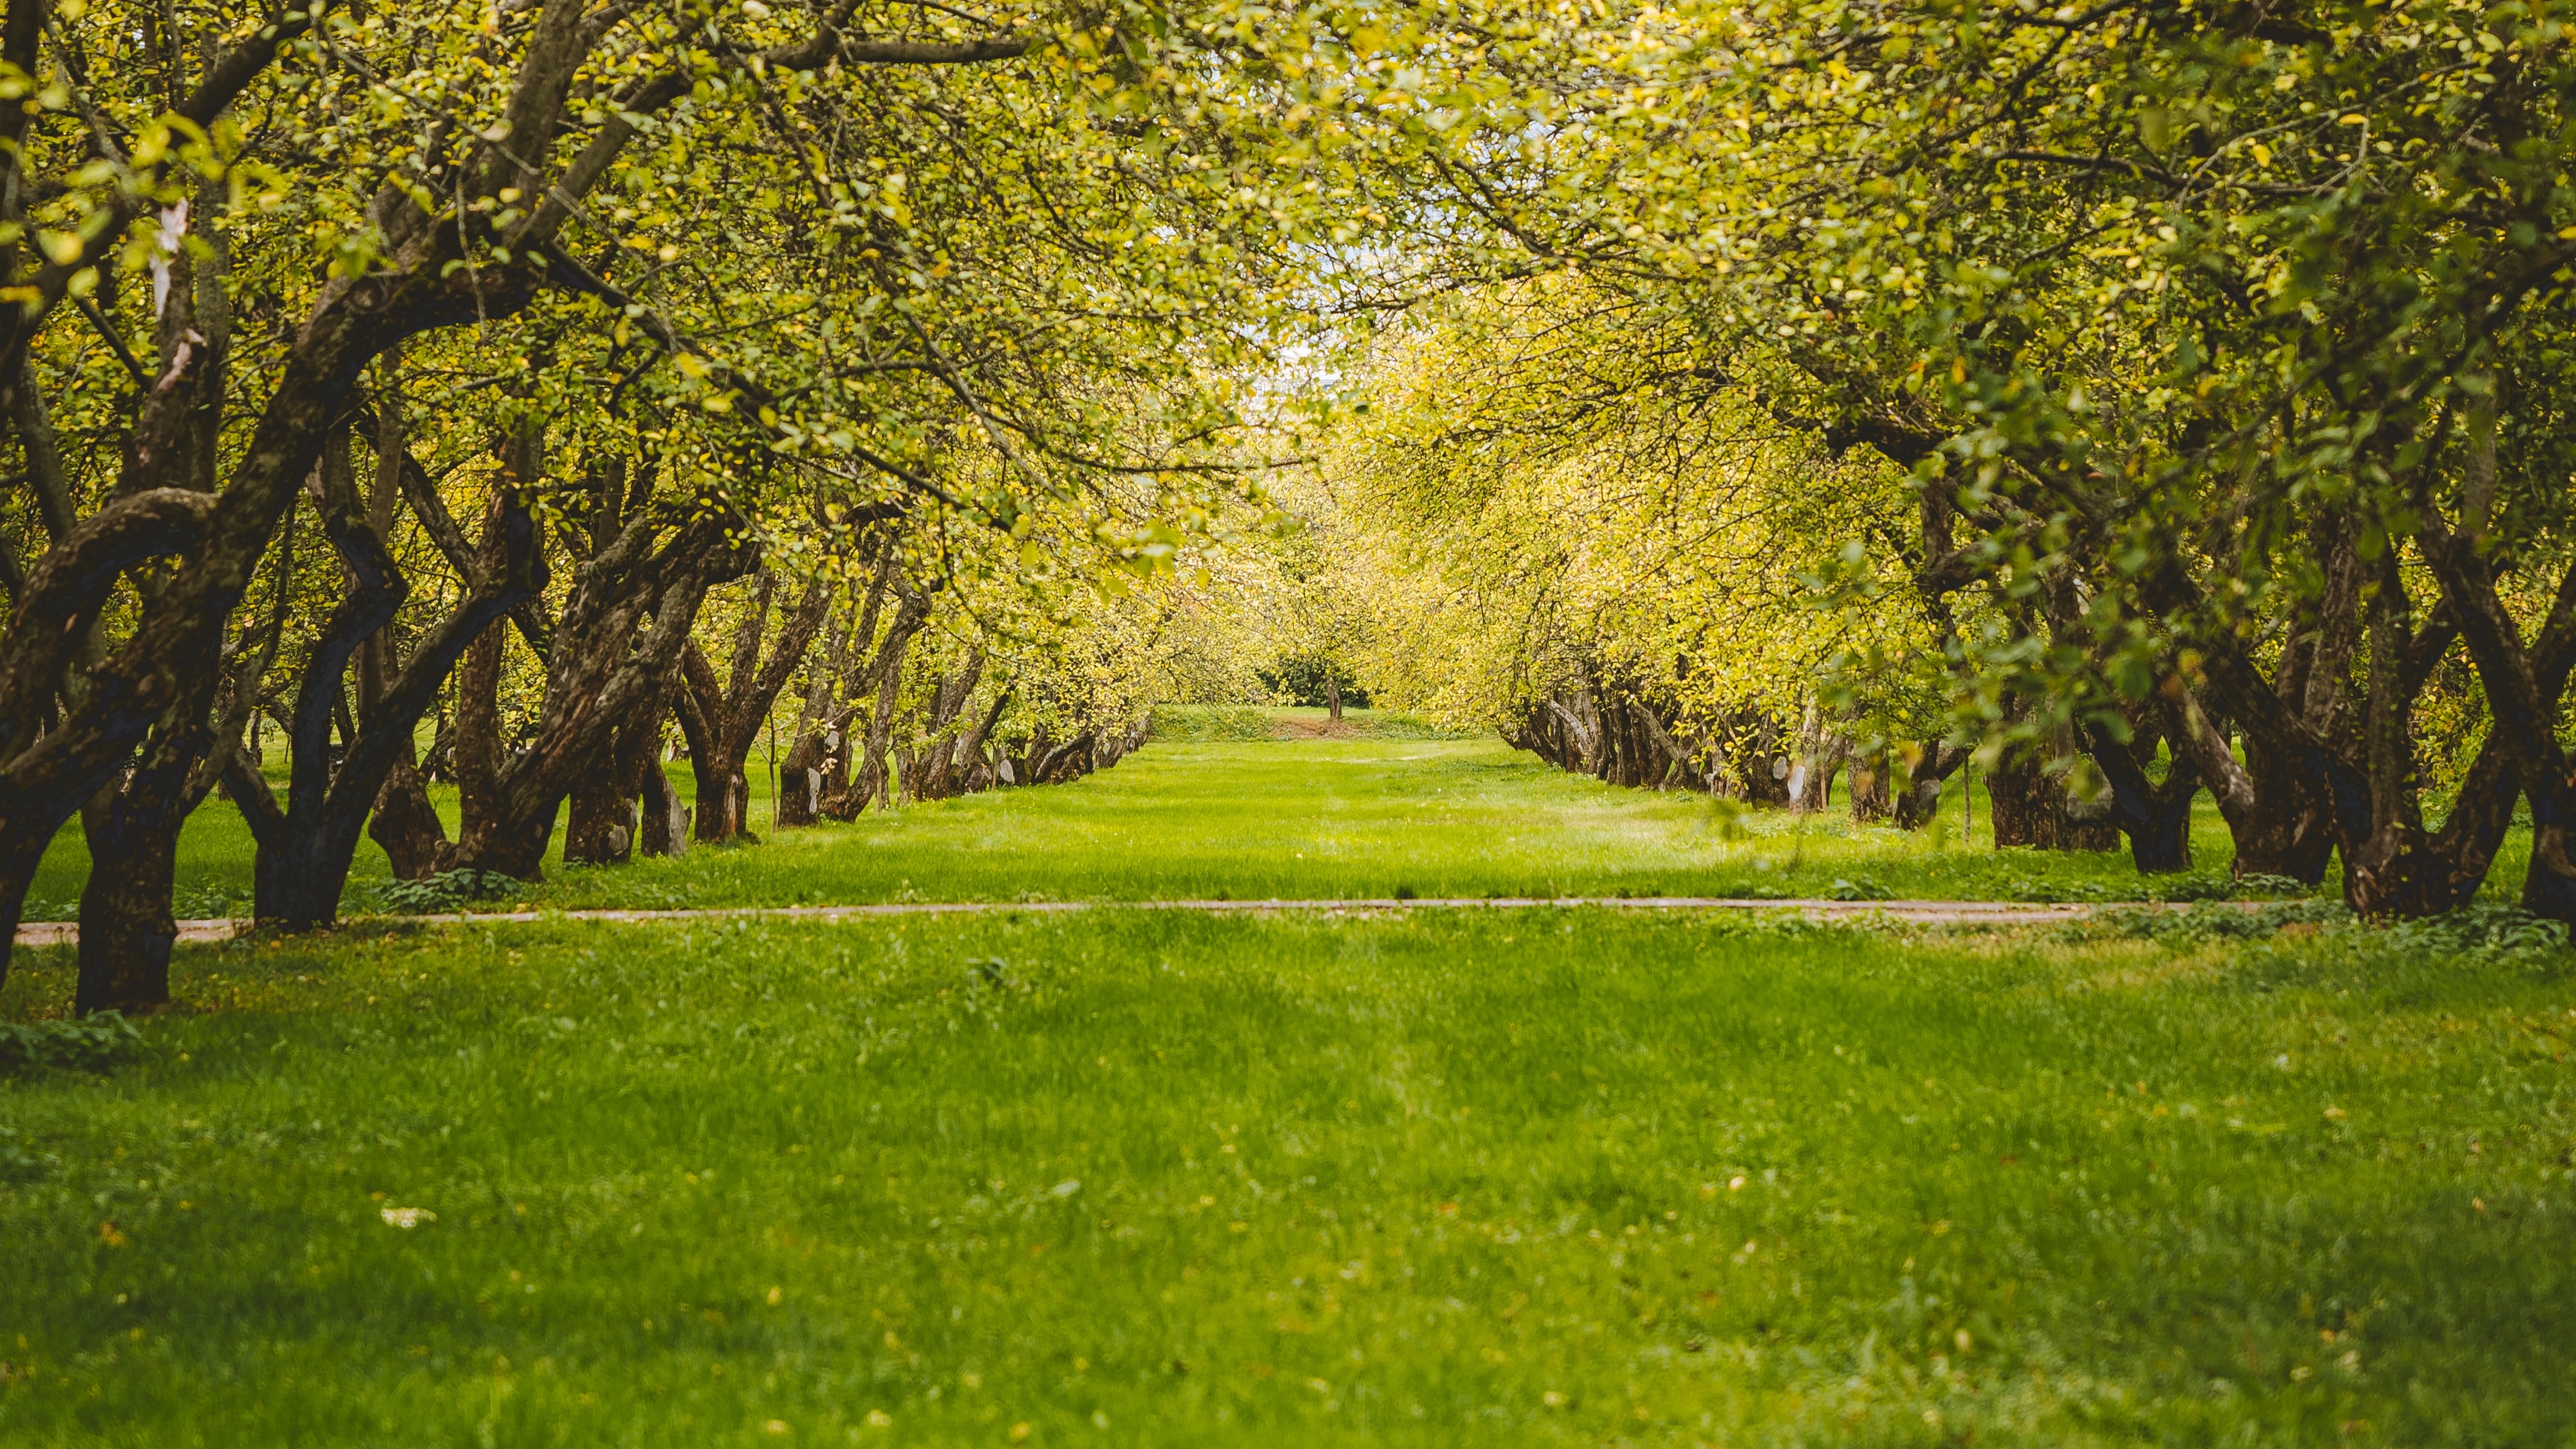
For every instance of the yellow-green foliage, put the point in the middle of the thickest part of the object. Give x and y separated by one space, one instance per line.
1553 493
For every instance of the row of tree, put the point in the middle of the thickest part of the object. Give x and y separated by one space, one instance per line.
2129 374
468 390
2172 383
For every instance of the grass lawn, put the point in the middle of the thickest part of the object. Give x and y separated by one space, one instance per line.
1544 1176
1553 1176
1341 819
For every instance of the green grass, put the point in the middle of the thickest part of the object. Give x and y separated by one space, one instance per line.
1340 820
1371 819
1543 1177
1305 819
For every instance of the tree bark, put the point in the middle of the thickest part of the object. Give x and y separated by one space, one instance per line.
1821 751
126 927
405 823
306 847
604 826
1920 799
2154 815
133 825
1873 799
666 820
598 678
476 753
2279 824
728 715
810 744
2525 685
870 778
2021 805
933 774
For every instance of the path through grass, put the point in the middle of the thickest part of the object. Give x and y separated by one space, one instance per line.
1340 819
1345 819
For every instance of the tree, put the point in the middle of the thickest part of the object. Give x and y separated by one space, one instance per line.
456 176
2178 321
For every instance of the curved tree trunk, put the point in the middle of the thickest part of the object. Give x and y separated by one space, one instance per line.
1873 794
800 796
933 773
2155 815
723 720
1821 751
870 779
604 825
125 909
2028 807
405 824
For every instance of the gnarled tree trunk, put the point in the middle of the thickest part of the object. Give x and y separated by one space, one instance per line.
1919 799
306 847
722 720
870 777
2154 814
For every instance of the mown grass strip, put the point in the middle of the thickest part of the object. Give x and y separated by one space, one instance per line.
1422 1178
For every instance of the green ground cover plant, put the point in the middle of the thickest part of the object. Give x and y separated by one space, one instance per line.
1547 1176
1303 819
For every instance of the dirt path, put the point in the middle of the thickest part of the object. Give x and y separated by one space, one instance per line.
65 933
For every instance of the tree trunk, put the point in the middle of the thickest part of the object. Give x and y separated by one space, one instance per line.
603 826
598 679
2524 686
869 776
2549 886
2156 816
666 820
1333 691
476 753
406 825
2021 805
800 774
487 837
1873 799
971 748
1753 761
2389 866
1821 751
723 797
2288 830
817 766
2028 807
1556 731
2279 824
133 829
723 721
1920 799
932 775
57 762
126 929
